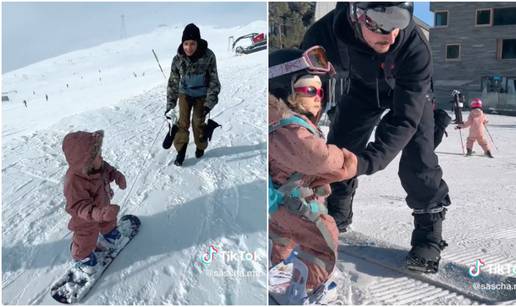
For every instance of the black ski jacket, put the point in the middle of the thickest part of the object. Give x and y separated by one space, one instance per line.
398 80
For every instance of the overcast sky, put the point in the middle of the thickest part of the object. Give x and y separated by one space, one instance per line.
33 31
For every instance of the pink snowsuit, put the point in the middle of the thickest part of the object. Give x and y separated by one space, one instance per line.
87 192
293 148
476 121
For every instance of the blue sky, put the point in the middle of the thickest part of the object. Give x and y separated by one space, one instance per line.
33 31
422 11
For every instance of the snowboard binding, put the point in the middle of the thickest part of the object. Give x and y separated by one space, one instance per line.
418 263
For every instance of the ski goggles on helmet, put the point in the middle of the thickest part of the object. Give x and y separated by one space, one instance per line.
310 91
384 19
314 60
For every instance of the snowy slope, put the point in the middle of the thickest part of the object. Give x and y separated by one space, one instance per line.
479 224
218 200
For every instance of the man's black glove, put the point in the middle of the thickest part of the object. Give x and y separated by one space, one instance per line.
206 111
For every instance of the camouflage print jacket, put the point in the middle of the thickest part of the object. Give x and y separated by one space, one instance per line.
194 76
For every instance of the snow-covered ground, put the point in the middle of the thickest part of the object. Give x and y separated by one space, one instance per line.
218 200
480 223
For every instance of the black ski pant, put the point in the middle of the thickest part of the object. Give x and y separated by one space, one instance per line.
419 171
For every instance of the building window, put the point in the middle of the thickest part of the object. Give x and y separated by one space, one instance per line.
504 16
441 19
507 48
483 17
453 52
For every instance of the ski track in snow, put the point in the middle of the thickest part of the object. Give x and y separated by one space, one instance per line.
217 199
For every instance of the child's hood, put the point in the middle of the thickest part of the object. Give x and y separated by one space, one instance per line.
81 148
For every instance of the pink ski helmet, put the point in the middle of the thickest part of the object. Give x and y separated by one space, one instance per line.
475 103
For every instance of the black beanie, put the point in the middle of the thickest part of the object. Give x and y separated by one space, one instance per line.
191 32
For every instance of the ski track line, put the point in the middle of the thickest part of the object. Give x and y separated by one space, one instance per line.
191 273
404 290
421 278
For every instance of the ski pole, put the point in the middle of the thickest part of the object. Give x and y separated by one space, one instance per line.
156 57
492 141
461 142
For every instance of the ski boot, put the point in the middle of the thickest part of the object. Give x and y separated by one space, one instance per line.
87 265
469 152
199 153
180 158
489 154
427 242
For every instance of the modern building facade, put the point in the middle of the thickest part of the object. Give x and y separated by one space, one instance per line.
474 50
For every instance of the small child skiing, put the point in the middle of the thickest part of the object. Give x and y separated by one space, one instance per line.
476 123
88 198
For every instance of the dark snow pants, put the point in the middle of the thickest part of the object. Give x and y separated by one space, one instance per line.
419 171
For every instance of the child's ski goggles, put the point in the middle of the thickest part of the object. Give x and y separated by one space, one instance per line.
310 91
313 59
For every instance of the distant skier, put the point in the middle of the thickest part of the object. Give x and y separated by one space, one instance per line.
476 123
25 103
88 198
195 83
67 86
46 97
301 164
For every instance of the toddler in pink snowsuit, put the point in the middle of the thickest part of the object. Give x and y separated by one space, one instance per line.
88 193
476 123
295 149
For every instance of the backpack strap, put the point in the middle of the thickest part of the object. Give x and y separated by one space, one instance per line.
293 120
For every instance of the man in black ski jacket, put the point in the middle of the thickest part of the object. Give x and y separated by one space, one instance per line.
383 61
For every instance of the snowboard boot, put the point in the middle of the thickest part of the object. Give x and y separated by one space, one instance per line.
87 265
340 204
112 240
180 158
427 242
326 294
489 154
199 153
469 152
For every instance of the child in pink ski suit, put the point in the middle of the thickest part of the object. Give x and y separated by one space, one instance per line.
476 123
88 195
294 149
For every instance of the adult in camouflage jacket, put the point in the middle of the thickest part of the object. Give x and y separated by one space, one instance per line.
195 84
